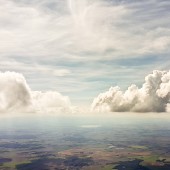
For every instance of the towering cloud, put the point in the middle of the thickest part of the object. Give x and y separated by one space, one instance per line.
15 95
154 96
14 92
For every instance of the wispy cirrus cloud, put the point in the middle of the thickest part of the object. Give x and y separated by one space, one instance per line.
63 42
84 27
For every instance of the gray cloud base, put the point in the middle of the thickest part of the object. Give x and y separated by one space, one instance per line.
154 96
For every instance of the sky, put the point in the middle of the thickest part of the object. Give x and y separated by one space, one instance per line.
80 48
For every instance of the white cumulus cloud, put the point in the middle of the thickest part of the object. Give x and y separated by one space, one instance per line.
16 95
153 96
50 101
14 91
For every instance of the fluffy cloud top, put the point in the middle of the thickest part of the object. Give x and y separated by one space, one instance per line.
15 95
14 91
154 96
50 101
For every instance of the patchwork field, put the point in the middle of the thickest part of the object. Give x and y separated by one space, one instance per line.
78 145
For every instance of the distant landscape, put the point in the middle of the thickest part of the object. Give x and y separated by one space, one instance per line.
85 143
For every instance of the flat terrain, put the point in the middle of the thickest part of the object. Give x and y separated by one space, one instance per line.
56 143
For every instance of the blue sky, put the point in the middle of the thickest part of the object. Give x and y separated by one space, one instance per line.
82 47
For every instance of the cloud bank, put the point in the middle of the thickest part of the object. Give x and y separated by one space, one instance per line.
16 95
153 96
